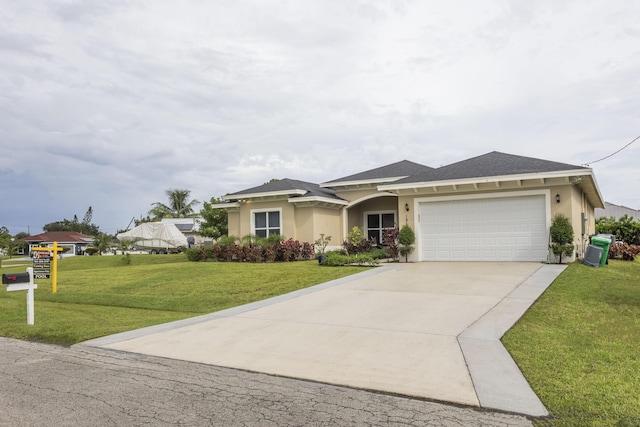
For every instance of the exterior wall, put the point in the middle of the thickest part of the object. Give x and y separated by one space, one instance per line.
302 223
234 223
287 219
313 221
573 204
351 195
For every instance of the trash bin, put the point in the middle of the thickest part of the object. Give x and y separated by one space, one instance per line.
604 243
592 256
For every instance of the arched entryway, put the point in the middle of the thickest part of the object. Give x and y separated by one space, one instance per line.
372 214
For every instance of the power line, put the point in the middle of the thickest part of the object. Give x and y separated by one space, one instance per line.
612 154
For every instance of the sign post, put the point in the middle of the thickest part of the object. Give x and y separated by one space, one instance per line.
42 265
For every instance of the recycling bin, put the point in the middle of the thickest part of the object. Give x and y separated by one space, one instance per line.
604 243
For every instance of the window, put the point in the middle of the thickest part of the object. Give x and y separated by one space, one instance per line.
378 222
266 223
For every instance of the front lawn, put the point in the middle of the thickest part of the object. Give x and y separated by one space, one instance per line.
579 346
98 296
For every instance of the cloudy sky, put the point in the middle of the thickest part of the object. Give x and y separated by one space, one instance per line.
109 103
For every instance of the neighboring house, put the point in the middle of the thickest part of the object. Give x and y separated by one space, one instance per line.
616 211
494 207
190 227
75 242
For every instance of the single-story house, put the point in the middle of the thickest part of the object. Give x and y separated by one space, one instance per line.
494 207
75 242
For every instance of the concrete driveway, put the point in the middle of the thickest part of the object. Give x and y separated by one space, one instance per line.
428 330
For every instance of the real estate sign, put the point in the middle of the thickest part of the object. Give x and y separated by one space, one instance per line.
41 264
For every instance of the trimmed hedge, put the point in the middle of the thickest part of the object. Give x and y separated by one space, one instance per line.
280 251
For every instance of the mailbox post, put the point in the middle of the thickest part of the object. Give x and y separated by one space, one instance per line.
22 282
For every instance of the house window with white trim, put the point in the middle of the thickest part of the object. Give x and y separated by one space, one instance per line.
377 222
266 222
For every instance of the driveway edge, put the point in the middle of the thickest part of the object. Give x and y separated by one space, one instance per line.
233 311
498 381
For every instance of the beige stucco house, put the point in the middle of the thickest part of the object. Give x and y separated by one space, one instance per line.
494 207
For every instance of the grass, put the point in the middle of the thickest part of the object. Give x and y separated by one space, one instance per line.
99 296
579 346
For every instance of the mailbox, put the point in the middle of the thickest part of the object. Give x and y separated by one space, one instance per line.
15 278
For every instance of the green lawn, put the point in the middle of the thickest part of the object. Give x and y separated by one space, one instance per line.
99 296
579 346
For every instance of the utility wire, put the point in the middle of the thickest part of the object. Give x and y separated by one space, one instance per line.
612 154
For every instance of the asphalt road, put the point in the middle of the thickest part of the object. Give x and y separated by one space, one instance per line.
45 385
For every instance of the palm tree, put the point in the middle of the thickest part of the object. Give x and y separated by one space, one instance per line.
102 242
179 205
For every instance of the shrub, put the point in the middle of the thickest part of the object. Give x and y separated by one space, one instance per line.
356 242
561 236
336 259
288 250
253 254
253 250
308 250
91 250
407 238
322 243
625 228
390 239
195 254
377 253
624 250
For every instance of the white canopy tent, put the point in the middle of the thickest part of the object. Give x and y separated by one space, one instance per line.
155 236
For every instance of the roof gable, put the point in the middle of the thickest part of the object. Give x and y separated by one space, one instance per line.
285 187
490 164
385 173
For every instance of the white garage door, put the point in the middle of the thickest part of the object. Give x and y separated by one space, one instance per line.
498 229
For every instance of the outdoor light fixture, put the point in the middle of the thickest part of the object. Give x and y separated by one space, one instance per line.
557 198
406 207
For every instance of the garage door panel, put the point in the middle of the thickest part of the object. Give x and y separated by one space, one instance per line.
500 229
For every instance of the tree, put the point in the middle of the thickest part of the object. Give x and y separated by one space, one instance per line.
102 242
215 220
6 240
84 227
179 205
407 238
561 236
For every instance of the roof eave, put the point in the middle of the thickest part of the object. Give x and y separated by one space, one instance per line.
232 205
361 183
295 192
318 201
485 179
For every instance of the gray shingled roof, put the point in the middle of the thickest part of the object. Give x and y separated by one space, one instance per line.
490 164
402 168
287 184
